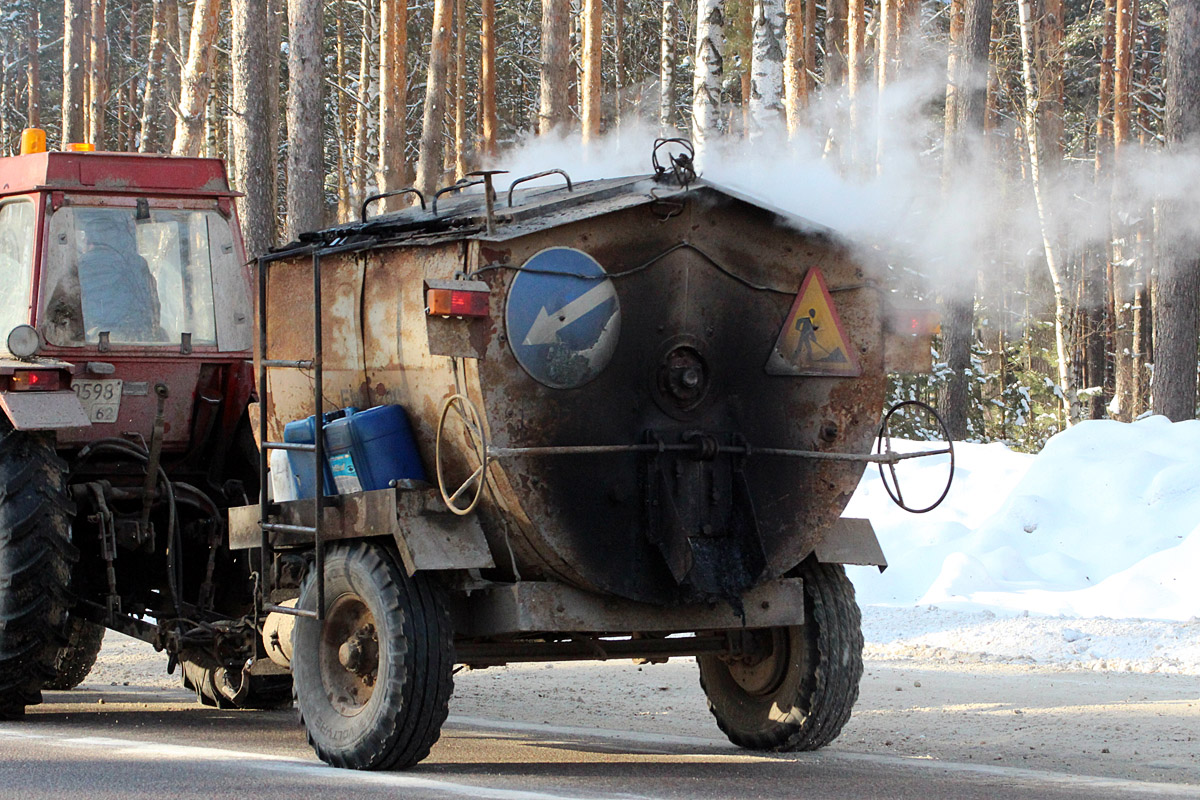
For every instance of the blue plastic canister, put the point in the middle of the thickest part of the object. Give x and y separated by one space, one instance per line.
370 449
304 431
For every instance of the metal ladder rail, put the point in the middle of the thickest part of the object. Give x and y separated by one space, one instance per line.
317 448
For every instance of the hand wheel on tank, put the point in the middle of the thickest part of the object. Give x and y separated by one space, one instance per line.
477 438
883 446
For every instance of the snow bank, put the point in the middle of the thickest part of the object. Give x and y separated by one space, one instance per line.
1102 526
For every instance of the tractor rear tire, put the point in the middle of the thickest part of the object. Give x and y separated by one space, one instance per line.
227 689
36 555
373 682
75 661
799 690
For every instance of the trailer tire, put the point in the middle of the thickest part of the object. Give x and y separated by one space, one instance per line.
801 692
75 661
229 689
36 555
373 682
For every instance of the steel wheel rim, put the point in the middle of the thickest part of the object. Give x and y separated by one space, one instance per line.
764 675
349 655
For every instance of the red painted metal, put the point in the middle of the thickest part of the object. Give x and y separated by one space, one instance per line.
51 179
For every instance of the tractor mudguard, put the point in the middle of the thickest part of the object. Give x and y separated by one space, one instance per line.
43 411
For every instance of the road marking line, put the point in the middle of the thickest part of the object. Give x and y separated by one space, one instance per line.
293 767
990 770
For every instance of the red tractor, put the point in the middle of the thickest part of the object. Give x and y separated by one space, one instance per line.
125 332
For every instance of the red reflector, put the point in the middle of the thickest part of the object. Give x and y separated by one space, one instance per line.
456 303
36 380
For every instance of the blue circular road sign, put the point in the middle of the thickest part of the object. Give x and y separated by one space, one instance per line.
563 317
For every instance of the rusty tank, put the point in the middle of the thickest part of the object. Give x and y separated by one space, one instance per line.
641 403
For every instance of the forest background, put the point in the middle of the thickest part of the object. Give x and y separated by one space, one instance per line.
1036 160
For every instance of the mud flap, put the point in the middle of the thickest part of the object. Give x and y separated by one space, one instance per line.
851 541
43 411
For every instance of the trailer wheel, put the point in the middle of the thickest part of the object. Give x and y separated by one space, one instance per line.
794 687
373 681
222 688
35 565
75 661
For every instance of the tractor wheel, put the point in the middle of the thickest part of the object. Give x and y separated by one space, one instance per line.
794 687
222 688
373 681
36 555
75 661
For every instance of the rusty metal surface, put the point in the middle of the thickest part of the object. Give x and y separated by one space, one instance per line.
40 411
851 541
427 536
290 337
585 519
547 607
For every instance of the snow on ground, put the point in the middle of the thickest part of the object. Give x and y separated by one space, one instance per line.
1085 555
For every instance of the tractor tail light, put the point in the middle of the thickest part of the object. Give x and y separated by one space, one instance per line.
35 380
456 302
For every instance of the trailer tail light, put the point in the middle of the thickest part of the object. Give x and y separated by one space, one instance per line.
456 299
35 380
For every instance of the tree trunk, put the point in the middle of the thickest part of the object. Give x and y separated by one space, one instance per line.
253 162
1176 326
172 65
98 73
1070 400
709 66
856 64
305 162
666 70
619 61
429 162
967 68
766 82
1124 271
487 78
462 147
196 80
835 42
393 99
593 30
956 42
154 92
32 72
554 107
795 66
358 169
73 73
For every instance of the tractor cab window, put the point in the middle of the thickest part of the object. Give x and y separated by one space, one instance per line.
16 264
145 280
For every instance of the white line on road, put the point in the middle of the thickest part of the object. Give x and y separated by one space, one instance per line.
109 747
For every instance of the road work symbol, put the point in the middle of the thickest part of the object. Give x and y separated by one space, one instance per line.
563 317
813 341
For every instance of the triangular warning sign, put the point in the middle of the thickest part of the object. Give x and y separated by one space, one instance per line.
813 341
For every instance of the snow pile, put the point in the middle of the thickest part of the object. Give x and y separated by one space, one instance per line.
1101 529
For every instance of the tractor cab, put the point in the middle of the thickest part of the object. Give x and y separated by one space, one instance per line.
129 268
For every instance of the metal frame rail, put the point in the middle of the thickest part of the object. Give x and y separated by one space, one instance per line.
317 448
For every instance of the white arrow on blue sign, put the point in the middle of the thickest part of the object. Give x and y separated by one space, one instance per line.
563 317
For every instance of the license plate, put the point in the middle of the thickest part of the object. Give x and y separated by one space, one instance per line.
101 400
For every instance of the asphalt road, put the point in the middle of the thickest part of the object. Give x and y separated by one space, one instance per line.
118 743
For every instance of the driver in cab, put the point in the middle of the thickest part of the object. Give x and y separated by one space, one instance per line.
119 292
